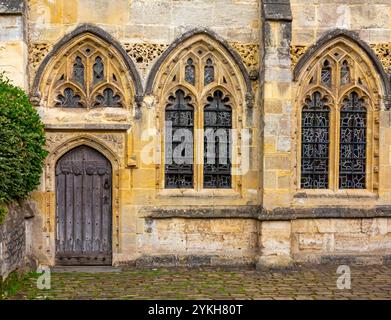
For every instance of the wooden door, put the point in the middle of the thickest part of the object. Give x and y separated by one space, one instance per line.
84 208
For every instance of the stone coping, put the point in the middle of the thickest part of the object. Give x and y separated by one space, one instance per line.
262 214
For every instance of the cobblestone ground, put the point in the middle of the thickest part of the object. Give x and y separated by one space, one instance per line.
367 282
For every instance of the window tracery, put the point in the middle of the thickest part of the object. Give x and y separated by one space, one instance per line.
201 68
338 106
87 73
179 121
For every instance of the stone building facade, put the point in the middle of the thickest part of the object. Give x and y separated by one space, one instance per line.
304 85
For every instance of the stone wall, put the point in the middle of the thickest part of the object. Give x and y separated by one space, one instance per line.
351 241
269 220
199 241
14 239
312 18
13 48
144 27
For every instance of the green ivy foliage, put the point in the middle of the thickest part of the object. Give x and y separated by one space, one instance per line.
22 141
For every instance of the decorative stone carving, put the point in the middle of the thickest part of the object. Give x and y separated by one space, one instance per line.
296 53
144 54
37 52
54 139
249 52
383 52
114 140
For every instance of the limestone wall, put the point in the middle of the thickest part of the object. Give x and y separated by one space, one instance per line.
197 241
268 36
142 26
13 47
354 241
371 19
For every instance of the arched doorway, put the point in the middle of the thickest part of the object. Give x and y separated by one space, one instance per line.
83 208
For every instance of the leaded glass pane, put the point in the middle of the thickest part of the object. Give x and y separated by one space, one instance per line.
345 73
217 142
190 72
179 117
326 74
78 71
98 69
209 72
108 100
352 159
315 143
69 99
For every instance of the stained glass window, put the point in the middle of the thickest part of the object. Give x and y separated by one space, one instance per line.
190 72
108 99
345 73
98 69
217 142
78 71
68 99
209 72
315 143
179 117
352 159
326 74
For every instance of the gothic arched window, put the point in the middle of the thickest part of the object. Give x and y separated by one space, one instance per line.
315 139
207 97
217 142
179 128
87 73
339 133
353 143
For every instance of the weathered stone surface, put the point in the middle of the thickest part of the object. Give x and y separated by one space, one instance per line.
11 6
277 10
265 218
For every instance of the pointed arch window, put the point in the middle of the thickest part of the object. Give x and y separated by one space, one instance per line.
315 139
217 142
339 136
203 69
353 141
87 72
179 128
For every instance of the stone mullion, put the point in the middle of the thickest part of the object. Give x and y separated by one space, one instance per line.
277 87
199 146
334 146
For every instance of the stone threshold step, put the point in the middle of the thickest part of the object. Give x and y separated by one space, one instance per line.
85 269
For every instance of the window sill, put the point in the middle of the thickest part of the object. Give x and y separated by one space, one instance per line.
190 193
340 194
